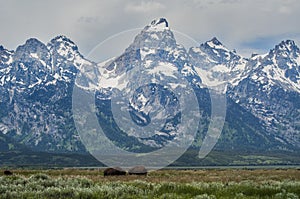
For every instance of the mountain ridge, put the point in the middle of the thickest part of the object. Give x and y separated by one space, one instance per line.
37 79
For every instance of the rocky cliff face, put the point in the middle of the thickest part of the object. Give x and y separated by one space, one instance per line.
270 91
36 84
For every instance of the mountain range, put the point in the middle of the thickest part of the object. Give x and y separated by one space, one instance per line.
262 92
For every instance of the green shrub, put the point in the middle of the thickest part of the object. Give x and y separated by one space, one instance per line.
44 186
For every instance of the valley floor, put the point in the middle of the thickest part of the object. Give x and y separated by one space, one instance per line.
199 183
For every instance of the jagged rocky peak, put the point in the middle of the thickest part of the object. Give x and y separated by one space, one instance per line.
153 47
156 35
287 45
64 40
284 49
213 42
254 55
156 22
32 49
160 24
213 52
63 46
32 45
3 50
5 57
33 42
285 54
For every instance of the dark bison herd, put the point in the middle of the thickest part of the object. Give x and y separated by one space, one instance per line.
7 173
117 171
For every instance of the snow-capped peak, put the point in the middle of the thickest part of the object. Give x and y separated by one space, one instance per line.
281 65
155 36
63 46
213 52
288 45
3 50
160 21
286 54
5 57
216 64
160 24
214 42
32 48
154 45
65 40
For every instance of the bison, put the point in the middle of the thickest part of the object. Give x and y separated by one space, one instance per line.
138 170
116 171
7 173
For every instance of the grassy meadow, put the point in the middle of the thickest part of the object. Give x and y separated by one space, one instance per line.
202 183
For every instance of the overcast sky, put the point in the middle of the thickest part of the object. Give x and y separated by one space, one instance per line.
245 25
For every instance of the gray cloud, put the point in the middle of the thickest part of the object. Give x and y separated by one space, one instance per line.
144 6
243 25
